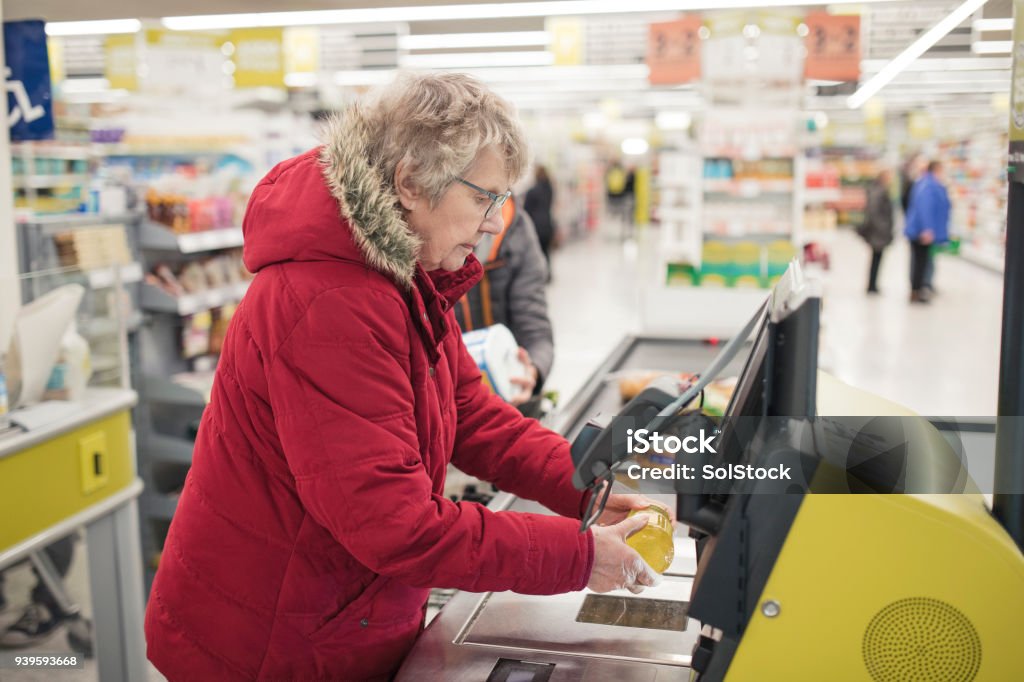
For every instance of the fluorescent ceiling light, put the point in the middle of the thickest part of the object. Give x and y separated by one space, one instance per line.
993 24
85 28
364 77
916 49
943 64
446 41
468 60
634 146
495 10
80 85
673 120
300 80
534 74
992 47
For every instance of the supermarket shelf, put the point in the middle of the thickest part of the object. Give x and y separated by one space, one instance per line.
983 258
70 221
102 278
160 238
759 237
157 300
172 151
676 213
160 506
105 363
748 188
49 151
45 181
164 391
821 195
106 326
168 448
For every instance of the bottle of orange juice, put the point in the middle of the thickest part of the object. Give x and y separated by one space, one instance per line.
654 541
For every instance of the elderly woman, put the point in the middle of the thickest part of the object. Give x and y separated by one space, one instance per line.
313 523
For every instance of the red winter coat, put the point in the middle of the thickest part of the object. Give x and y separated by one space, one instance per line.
313 522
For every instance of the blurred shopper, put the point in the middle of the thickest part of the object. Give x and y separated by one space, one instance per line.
538 202
45 616
313 522
909 173
621 185
927 225
511 292
877 227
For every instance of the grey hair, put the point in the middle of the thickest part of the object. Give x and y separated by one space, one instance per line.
439 123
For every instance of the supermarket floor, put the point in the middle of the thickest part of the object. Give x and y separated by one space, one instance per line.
940 359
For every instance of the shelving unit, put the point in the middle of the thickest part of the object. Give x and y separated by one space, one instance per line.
679 206
172 398
837 180
50 178
159 301
976 178
110 314
158 238
752 195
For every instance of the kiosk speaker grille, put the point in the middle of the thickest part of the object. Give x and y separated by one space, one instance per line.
921 639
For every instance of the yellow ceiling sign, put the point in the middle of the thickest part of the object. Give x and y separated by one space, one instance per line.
566 40
301 50
55 48
920 125
258 57
121 61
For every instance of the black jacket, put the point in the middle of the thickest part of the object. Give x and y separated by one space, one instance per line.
513 283
538 204
877 227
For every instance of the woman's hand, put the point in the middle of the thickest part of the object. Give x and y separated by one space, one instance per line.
525 383
616 564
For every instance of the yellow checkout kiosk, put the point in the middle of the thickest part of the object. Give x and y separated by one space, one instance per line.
877 561
74 467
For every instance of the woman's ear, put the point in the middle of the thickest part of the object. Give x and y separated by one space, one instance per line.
409 193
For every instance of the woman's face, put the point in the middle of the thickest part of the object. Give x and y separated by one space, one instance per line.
451 229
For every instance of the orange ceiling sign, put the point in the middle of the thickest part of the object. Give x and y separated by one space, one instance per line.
673 51
833 47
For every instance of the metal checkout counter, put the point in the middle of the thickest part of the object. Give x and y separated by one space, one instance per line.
78 470
473 631
786 581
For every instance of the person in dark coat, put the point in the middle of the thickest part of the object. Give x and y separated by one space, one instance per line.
511 292
909 173
313 521
537 204
877 227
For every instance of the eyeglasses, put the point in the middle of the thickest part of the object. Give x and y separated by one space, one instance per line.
497 200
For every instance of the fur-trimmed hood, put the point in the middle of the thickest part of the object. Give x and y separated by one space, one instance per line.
329 204
366 199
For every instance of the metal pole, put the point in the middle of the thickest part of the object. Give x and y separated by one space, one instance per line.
1008 504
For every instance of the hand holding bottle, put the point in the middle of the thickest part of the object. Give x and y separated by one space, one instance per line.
616 564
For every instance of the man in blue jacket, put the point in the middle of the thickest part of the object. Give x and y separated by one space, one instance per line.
927 224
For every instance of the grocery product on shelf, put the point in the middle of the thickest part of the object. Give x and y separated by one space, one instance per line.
975 172
836 181
93 247
198 276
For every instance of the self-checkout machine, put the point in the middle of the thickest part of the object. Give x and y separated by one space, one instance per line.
880 561
798 579
805 579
